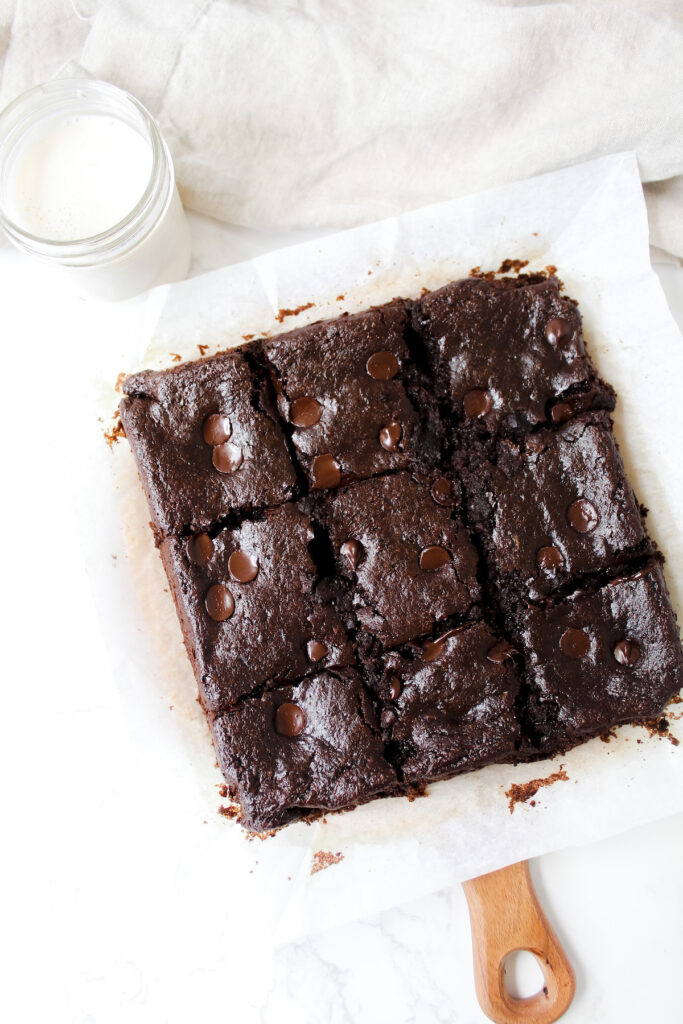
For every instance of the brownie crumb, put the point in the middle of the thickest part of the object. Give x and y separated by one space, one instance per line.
117 432
282 313
324 859
512 265
520 793
119 381
176 357
231 812
203 349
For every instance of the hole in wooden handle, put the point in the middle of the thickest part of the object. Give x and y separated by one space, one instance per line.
506 917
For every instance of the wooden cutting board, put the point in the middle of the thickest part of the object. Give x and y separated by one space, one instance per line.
505 916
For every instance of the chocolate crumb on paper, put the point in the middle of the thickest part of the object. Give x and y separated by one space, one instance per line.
231 812
512 265
119 381
520 793
117 431
203 349
282 313
325 859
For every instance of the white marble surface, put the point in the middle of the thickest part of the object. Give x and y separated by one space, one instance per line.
92 930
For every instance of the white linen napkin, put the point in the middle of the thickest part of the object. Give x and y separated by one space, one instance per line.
335 112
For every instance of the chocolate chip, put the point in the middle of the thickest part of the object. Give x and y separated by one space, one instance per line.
316 650
325 471
443 492
627 652
501 652
561 412
353 552
217 429
382 365
304 412
200 549
219 602
549 558
243 567
582 516
434 557
227 458
289 720
431 649
575 643
557 331
395 688
390 436
477 403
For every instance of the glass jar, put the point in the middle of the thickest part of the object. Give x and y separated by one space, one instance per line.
146 246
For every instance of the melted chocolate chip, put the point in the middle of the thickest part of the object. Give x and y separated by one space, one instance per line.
382 365
431 649
325 471
442 491
316 650
558 331
500 652
561 412
353 552
289 720
582 516
549 558
200 549
305 412
390 436
477 403
227 458
434 557
395 688
219 602
627 652
575 643
243 567
217 429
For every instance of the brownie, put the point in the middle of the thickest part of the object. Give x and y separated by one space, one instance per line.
247 599
402 545
449 703
341 388
408 562
556 507
301 748
600 658
507 355
206 442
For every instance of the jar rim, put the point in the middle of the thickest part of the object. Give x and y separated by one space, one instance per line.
43 101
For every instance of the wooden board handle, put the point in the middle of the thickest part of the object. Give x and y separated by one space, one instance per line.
506 916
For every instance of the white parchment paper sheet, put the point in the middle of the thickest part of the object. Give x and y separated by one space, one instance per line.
590 222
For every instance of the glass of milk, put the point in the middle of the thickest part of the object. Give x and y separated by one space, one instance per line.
87 185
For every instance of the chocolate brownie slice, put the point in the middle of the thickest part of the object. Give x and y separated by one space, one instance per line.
555 507
341 387
206 442
300 748
248 603
507 354
598 659
407 561
449 703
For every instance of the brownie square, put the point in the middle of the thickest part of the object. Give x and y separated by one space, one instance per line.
507 354
300 748
248 602
408 562
598 659
556 507
449 703
341 387
206 442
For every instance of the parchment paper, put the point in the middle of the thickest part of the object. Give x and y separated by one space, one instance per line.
590 222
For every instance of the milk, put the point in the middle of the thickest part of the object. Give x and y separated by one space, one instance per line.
87 186
77 177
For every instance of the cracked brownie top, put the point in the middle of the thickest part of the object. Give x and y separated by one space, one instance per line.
402 545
